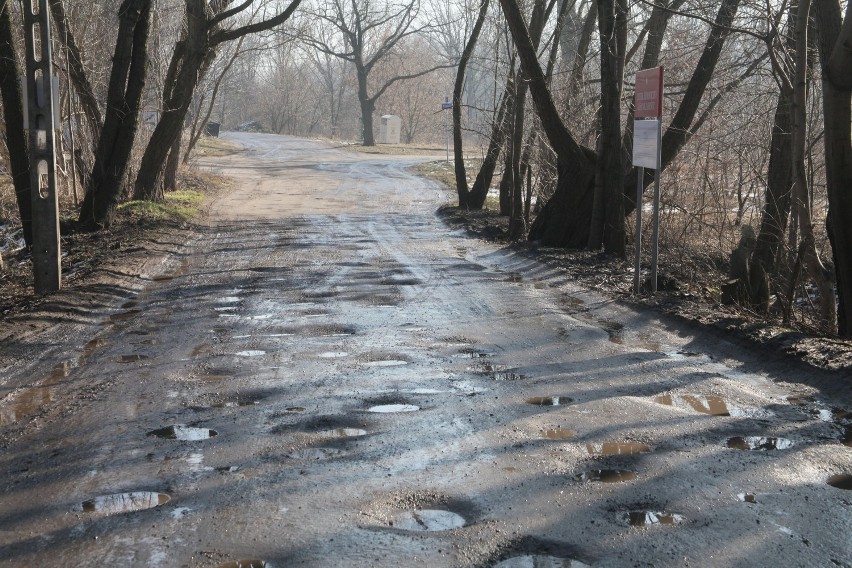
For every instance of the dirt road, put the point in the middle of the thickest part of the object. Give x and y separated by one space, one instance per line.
328 376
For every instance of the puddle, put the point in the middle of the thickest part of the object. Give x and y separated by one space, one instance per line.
401 282
712 405
253 563
250 353
315 454
130 304
427 520
558 434
514 277
330 330
228 469
333 354
831 414
229 300
758 443
539 561
163 278
90 348
341 433
131 358
392 408
202 349
123 502
550 400
747 497
617 449
842 481
607 475
183 433
651 518
295 409
471 353
846 440
386 363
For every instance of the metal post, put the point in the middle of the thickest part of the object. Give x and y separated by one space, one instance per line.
447 132
655 245
637 265
47 270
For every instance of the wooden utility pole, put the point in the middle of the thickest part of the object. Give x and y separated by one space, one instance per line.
41 121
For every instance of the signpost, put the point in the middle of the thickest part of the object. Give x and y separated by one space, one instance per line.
447 105
647 147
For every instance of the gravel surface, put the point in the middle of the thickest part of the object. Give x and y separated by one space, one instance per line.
328 375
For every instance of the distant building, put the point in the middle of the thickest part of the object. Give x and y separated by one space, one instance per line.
389 129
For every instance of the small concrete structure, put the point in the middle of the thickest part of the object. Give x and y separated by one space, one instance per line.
389 129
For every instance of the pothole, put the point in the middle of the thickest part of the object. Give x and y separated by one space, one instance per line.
747 497
401 281
472 353
295 409
846 440
607 475
250 353
758 443
539 561
183 433
130 304
328 330
651 518
550 400
841 481
426 520
617 449
557 434
393 408
333 354
341 433
532 552
339 427
123 502
131 358
385 360
252 563
315 454
712 405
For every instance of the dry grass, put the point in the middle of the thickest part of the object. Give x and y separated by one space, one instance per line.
212 147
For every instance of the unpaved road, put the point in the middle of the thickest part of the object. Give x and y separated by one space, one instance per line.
367 374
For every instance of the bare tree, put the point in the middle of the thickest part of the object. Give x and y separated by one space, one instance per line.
367 32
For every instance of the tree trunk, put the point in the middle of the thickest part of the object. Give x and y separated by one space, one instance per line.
367 108
127 82
186 70
607 227
479 191
172 164
458 88
16 139
835 49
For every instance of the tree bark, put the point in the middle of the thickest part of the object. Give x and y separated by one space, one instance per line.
458 150
13 113
127 82
479 191
367 109
835 49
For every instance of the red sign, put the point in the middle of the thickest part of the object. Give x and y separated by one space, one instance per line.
649 93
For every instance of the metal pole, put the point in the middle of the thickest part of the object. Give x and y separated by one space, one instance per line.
655 245
47 269
447 132
637 265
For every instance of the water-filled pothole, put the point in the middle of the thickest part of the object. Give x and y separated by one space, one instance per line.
333 354
712 405
316 454
841 481
130 304
558 434
846 440
251 563
472 353
426 520
183 433
386 363
617 448
295 409
131 358
758 443
747 497
341 433
550 400
539 561
123 502
393 408
651 518
327 330
607 475
250 353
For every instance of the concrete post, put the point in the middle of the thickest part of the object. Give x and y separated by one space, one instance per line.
41 120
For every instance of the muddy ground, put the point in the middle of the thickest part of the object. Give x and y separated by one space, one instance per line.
326 374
